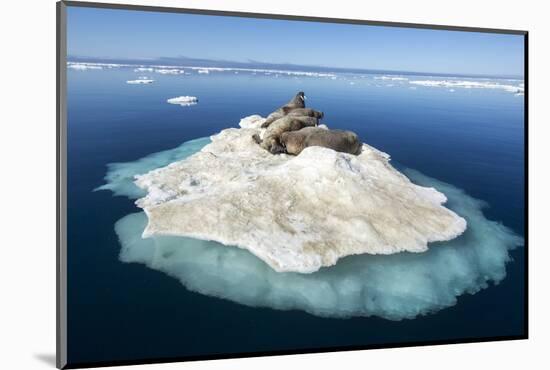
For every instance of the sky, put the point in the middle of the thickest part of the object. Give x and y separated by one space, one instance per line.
130 34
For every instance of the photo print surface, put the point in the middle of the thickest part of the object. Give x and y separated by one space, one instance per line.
242 186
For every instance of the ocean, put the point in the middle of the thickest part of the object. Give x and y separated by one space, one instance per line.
465 131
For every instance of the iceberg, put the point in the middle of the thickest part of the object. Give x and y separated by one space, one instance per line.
395 287
184 101
296 213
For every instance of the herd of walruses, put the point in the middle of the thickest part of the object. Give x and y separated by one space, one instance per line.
293 127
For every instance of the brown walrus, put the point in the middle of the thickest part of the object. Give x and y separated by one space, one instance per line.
295 103
285 111
271 140
341 141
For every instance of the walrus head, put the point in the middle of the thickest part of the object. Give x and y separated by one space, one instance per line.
277 148
299 101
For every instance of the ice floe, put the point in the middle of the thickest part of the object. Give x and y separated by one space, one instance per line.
295 213
515 86
488 84
391 78
398 286
92 65
140 81
83 67
144 69
183 100
267 72
172 71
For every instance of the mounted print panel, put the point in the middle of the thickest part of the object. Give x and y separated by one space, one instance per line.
235 185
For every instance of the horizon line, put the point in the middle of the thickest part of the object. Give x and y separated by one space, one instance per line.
248 64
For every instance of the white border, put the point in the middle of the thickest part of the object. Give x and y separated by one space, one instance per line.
28 182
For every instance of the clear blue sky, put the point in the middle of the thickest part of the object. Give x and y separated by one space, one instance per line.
106 33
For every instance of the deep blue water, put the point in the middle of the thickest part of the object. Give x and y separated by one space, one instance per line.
471 138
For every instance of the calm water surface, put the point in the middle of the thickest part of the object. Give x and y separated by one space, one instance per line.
471 138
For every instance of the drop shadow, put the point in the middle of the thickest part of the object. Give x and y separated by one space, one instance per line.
46 358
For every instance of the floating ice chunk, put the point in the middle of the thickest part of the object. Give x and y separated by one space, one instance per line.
83 67
91 65
399 286
486 84
184 101
140 81
391 78
310 203
113 65
170 71
206 70
143 69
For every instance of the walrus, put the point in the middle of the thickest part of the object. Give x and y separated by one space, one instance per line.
296 102
341 141
285 111
271 140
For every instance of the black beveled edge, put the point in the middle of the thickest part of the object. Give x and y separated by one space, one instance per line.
61 169
526 180
61 186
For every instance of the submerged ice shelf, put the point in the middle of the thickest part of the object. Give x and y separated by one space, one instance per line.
296 213
399 286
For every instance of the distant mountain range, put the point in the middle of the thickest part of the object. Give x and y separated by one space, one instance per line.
198 62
